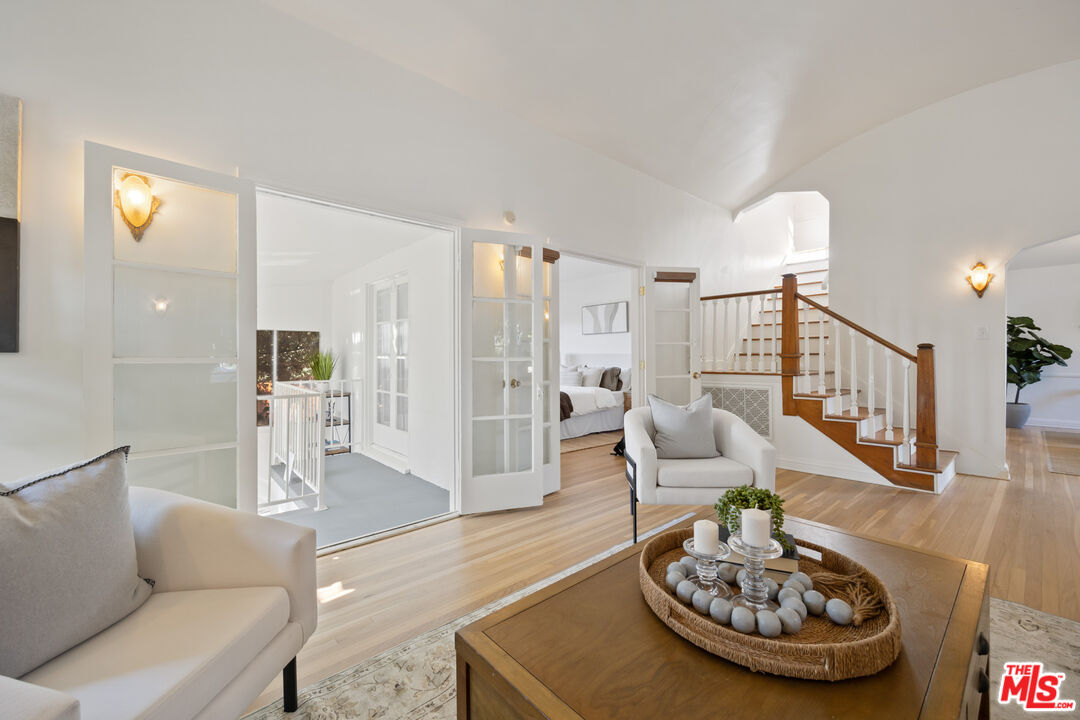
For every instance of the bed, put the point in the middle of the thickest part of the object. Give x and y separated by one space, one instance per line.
595 409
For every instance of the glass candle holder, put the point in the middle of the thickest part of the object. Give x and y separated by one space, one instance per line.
755 592
706 578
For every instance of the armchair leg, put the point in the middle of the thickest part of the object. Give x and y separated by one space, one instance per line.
633 511
288 683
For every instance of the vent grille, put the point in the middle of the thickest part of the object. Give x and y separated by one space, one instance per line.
752 403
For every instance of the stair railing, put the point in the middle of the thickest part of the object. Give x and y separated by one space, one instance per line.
727 324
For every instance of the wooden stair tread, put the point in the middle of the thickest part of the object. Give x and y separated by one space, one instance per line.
769 339
829 393
863 413
802 309
889 437
944 457
738 372
770 354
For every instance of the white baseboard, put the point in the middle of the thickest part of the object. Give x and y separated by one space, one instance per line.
1054 423
836 470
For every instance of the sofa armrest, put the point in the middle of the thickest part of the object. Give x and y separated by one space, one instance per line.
188 544
640 447
738 441
26 701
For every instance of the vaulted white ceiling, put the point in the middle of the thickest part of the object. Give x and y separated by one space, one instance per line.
721 98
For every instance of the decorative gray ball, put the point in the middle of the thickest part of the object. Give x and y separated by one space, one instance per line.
789 620
690 564
673 579
793 583
795 604
685 590
677 567
839 611
727 572
743 620
772 587
768 624
701 600
740 578
804 579
787 592
814 601
720 610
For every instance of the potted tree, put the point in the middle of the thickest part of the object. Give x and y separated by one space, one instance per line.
1027 354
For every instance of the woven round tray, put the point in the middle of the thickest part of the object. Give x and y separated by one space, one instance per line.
821 650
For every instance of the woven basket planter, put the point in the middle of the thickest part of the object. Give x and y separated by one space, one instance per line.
821 650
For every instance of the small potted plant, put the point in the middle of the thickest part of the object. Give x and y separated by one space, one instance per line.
731 504
1027 354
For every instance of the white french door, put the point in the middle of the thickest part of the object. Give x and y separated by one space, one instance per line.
169 365
673 334
508 311
390 364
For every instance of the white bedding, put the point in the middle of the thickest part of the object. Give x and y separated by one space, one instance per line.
591 399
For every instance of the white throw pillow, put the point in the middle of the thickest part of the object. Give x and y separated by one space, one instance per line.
570 379
68 568
568 368
683 431
624 375
590 376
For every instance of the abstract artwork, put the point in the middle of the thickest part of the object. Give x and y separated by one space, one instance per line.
10 161
605 318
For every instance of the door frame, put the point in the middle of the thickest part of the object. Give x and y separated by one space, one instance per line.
99 161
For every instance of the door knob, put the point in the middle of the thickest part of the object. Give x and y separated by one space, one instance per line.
697 375
514 382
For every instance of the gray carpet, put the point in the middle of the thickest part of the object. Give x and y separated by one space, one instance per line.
364 497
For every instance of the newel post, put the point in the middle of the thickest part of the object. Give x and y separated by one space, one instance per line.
789 341
925 409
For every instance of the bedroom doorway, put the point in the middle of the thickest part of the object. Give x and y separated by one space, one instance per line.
598 326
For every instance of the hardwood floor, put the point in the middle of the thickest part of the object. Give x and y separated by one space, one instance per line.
604 439
1026 529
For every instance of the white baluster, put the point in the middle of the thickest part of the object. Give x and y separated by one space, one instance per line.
888 390
806 343
715 365
838 379
738 334
749 329
761 334
724 335
871 401
821 353
907 411
702 337
775 305
854 375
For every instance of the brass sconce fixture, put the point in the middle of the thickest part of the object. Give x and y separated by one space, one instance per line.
137 204
979 278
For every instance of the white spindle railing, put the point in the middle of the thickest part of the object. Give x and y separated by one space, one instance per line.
871 400
775 356
749 330
888 391
907 410
837 364
296 446
806 341
723 336
821 353
854 374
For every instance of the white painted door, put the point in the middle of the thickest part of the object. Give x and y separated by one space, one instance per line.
390 364
503 391
169 366
673 334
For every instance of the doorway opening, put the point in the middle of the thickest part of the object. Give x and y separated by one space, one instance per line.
355 376
598 303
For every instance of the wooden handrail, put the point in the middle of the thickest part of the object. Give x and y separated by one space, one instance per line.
858 328
748 293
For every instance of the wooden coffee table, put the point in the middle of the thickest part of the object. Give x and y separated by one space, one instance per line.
589 647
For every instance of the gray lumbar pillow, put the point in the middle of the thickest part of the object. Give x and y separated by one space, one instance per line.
67 561
683 432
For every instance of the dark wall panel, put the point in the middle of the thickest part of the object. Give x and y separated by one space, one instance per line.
9 285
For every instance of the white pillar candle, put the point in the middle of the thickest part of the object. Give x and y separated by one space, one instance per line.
756 527
707 537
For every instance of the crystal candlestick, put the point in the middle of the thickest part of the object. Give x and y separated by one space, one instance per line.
755 592
706 569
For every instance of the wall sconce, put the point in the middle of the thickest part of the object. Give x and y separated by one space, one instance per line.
137 204
979 278
161 305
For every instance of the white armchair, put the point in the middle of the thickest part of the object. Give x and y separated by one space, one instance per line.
233 602
746 459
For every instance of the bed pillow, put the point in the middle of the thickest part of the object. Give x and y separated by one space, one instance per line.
610 379
571 378
68 563
683 431
568 368
590 376
624 378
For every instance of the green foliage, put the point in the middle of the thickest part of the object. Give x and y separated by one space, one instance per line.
731 504
322 365
1028 353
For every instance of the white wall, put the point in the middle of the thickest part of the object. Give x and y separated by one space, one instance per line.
239 87
917 201
605 284
429 265
295 307
1050 297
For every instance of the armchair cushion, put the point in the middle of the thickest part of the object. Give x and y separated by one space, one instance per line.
717 472
683 431
68 565
185 646
27 701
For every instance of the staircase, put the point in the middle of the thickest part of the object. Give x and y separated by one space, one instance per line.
856 388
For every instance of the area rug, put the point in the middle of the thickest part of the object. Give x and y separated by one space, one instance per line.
416 680
1062 451
586 442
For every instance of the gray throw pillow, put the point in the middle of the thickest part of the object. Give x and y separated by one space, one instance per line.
610 379
683 432
67 563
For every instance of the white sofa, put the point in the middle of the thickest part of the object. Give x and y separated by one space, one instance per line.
746 459
233 602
